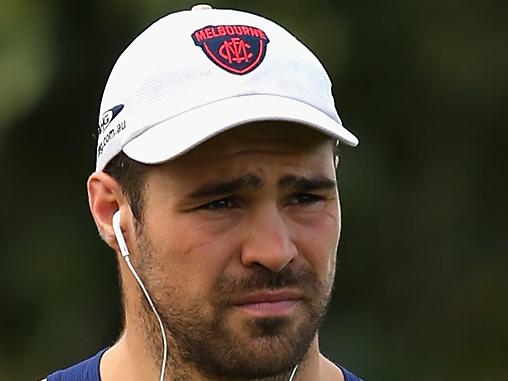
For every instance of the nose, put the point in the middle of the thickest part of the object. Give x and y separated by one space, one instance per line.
268 241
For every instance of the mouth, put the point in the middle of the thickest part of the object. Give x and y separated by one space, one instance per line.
264 304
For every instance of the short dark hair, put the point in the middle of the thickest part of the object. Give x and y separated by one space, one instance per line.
131 175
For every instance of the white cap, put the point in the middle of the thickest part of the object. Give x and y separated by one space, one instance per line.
194 74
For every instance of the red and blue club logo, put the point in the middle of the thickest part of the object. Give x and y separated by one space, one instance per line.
238 49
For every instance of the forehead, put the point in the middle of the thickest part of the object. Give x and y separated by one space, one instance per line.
270 137
260 144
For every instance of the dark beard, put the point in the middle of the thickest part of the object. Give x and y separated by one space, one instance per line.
201 339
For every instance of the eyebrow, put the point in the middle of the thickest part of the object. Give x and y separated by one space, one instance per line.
226 187
306 184
250 181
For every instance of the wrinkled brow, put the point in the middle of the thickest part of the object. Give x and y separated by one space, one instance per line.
307 184
251 181
226 187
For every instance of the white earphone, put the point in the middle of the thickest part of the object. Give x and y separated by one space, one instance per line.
125 253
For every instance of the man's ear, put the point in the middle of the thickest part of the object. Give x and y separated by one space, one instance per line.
105 197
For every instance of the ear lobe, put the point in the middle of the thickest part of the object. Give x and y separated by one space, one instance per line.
105 197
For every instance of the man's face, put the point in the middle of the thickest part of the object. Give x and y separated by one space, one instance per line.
237 248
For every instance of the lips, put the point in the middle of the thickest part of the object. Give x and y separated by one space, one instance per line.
264 304
269 297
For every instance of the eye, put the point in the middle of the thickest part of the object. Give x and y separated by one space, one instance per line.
305 199
223 203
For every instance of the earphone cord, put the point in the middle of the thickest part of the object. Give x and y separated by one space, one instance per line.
163 332
293 373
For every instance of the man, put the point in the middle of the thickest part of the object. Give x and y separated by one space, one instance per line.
215 185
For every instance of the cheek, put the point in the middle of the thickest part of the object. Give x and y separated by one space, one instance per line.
189 259
317 242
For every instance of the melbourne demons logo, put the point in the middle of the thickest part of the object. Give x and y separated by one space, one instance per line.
238 49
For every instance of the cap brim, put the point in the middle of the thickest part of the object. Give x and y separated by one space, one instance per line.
175 136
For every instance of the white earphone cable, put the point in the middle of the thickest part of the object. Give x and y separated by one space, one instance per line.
163 332
125 253
293 373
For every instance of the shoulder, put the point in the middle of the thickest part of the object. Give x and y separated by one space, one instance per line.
86 370
333 370
348 376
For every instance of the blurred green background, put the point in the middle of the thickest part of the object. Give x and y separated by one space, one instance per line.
422 285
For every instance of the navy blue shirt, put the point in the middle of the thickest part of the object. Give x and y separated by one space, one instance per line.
88 370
